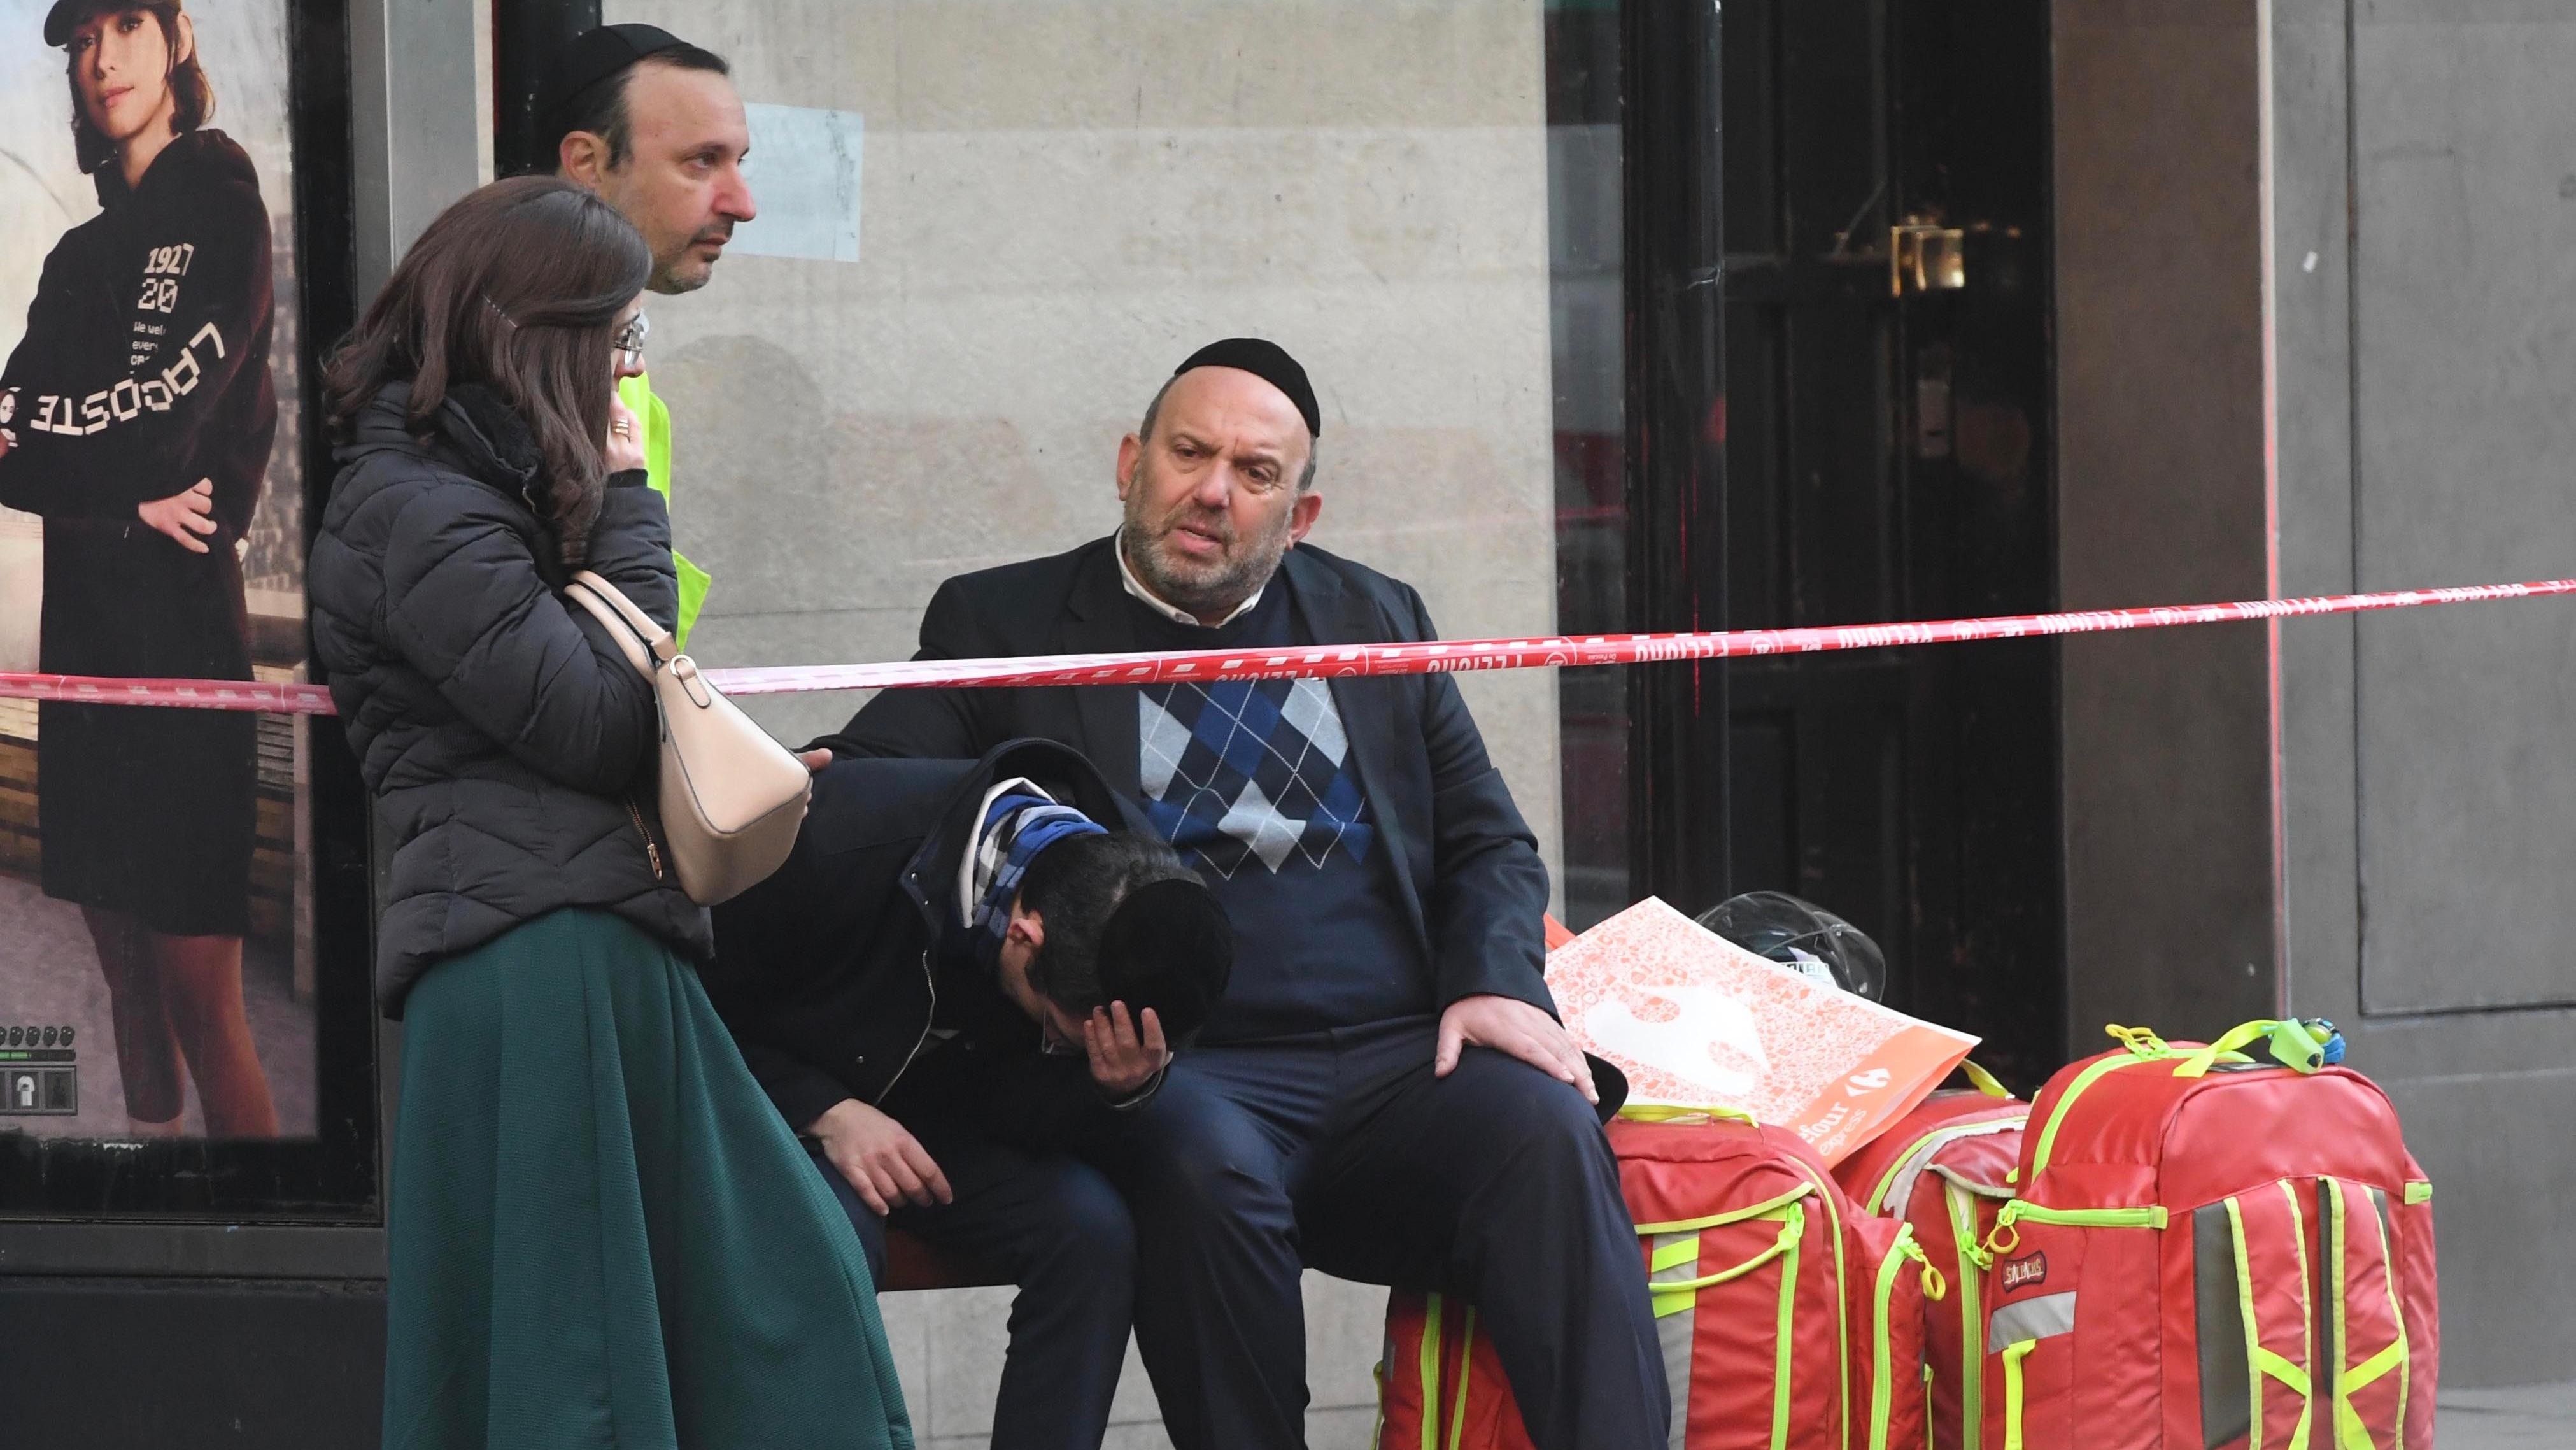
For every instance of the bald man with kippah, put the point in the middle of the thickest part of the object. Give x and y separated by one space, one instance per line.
1385 1093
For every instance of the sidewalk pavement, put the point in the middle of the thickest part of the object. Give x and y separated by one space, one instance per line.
2519 1417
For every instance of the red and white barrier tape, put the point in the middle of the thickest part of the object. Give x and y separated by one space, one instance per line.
1334 660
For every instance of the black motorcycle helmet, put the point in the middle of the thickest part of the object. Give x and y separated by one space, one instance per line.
1804 937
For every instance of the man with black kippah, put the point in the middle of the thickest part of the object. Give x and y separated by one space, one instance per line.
1384 1093
966 969
653 124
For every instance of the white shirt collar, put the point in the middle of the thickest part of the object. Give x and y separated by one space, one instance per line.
1136 590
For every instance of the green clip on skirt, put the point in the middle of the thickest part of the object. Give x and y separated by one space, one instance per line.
602 1233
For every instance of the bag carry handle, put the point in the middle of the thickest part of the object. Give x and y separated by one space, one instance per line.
647 645
1793 1227
2289 1041
1684 1112
1981 1079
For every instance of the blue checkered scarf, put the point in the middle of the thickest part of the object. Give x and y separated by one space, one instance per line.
1020 820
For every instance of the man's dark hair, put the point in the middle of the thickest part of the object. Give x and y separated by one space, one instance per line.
192 96
600 108
517 287
1172 953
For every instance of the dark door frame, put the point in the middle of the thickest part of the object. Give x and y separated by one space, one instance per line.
1960 871
1673 271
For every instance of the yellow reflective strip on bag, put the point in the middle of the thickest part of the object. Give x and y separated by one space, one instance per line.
2254 1350
1431 1372
1793 1226
1882 1380
2074 1090
1684 1112
2397 1316
2307 1317
2419 1191
1973 1261
1831 1198
2005 1238
1466 1371
1681 1251
2014 1354
1877 1200
2281 1369
2350 1431
2369 1370
1790 1233
2148 1216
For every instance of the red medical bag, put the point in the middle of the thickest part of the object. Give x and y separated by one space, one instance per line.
1789 1321
1946 1169
2212 1251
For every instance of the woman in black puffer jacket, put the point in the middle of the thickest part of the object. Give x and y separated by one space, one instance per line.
601 1232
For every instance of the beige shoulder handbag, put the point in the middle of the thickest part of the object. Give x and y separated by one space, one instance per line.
732 798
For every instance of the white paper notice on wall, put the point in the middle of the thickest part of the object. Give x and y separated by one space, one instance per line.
804 174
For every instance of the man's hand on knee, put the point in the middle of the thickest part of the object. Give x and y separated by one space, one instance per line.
879 1157
1509 1025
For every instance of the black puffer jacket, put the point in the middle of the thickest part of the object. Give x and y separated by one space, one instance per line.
509 745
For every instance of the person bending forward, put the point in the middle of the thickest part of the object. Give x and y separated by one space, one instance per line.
964 970
1385 1093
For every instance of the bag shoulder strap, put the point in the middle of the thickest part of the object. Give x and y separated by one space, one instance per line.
647 645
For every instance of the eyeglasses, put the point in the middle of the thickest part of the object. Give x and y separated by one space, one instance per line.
629 343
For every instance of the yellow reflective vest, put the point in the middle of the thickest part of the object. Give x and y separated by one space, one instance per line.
637 394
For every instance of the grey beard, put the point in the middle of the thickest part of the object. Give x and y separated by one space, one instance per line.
1209 600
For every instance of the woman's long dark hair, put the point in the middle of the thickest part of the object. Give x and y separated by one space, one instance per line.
192 95
517 287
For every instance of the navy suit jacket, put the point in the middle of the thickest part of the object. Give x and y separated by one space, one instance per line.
829 971
1471 879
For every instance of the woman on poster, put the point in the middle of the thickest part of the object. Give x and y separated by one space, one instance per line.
136 418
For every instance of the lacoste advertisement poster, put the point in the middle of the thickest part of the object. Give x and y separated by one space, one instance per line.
156 966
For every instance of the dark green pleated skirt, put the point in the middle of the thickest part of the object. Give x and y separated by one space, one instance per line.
602 1234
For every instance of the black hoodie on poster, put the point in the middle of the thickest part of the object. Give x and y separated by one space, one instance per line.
145 368
145 364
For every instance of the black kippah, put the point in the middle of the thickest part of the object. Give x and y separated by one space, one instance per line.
1267 361
1168 946
591 57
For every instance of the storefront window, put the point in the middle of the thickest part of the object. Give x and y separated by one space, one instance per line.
989 231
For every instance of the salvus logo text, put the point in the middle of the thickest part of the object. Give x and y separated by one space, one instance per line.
2025 1271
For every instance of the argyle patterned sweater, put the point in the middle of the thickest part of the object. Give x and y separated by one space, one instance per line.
1254 783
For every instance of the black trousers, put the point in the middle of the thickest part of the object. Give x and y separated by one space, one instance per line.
1057 1228
1343 1152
